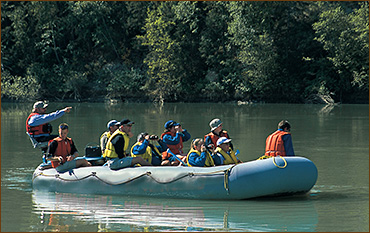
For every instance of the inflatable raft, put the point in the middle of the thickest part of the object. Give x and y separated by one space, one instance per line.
259 178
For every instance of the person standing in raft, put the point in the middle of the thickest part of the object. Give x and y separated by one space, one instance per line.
224 154
37 123
112 127
280 142
198 155
211 138
63 153
145 149
117 146
174 136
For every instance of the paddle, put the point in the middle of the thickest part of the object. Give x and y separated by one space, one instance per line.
173 155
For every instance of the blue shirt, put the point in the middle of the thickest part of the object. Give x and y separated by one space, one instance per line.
199 161
141 149
219 159
288 144
43 119
196 160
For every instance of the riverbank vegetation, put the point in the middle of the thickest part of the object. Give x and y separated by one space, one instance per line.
292 52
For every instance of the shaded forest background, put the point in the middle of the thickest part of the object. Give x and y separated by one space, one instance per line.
291 52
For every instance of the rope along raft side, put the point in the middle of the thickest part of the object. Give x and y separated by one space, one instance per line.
225 173
273 160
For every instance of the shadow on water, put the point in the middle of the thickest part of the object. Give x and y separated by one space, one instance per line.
117 213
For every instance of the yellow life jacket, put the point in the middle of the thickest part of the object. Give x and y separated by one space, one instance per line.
109 151
148 155
229 158
108 134
209 161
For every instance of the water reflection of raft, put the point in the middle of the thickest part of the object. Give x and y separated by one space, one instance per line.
126 214
274 176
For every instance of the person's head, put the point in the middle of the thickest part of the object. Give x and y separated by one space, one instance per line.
216 125
63 130
113 125
224 143
40 107
141 136
170 126
284 125
197 143
125 125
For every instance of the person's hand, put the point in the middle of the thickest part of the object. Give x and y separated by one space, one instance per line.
203 148
178 128
70 158
147 137
211 147
67 109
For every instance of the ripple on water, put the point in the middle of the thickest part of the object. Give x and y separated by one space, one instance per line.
17 178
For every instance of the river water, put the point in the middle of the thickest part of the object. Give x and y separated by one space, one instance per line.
335 138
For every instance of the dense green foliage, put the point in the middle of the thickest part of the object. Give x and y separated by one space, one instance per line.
291 52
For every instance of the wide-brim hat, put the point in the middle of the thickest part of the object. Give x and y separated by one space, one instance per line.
215 123
40 104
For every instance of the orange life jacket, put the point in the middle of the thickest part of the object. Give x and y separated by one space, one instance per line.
215 137
275 144
39 129
63 149
176 149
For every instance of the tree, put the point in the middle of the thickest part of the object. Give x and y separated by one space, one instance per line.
256 49
345 37
185 51
162 81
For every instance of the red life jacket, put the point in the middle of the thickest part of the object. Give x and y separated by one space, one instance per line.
39 129
215 137
63 149
176 149
275 144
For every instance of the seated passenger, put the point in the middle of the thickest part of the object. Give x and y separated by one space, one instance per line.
112 126
173 136
117 146
280 142
210 140
63 152
149 152
224 154
198 155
